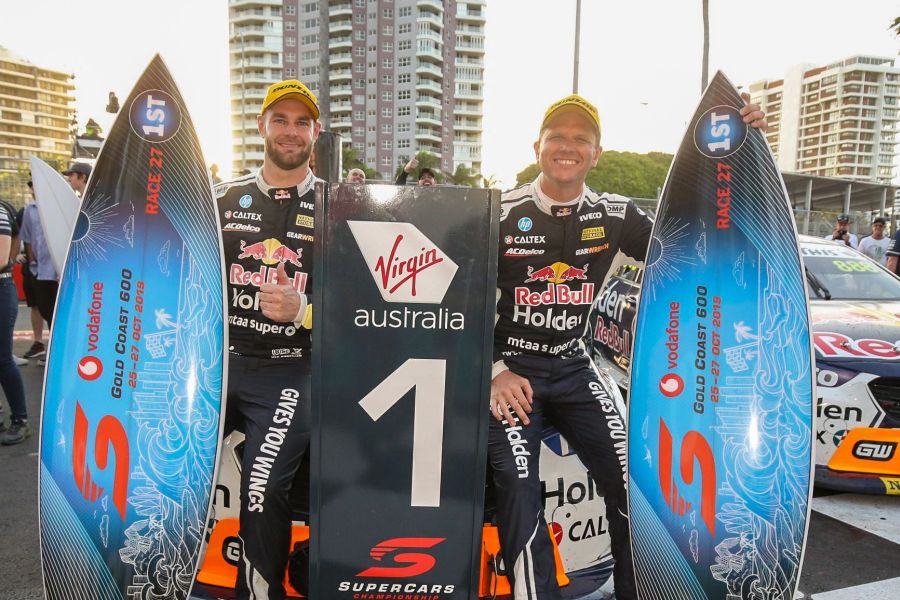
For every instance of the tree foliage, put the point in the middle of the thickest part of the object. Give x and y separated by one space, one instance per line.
464 176
626 173
426 159
350 160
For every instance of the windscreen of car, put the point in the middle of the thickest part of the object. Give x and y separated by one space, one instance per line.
846 274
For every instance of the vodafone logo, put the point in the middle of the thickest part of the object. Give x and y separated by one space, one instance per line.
90 368
405 264
671 385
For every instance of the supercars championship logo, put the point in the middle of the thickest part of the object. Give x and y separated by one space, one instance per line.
399 558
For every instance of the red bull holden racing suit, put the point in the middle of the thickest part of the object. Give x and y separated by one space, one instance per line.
553 260
269 373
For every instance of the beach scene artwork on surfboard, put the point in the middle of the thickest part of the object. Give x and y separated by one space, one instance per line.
720 407
132 404
58 207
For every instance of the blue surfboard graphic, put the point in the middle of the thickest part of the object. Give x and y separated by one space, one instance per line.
720 410
133 389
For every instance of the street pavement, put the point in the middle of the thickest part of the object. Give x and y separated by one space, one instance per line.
853 549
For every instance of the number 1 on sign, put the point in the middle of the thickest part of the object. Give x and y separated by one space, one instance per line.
428 377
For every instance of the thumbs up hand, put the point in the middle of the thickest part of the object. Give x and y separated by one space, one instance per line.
279 301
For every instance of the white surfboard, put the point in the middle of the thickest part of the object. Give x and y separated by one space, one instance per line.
58 206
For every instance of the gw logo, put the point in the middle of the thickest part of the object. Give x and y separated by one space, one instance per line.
881 451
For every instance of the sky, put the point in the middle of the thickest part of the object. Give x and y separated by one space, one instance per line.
639 59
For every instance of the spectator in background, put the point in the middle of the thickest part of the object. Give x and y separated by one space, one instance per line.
10 378
356 176
426 175
40 262
78 175
842 233
892 254
37 349
875 245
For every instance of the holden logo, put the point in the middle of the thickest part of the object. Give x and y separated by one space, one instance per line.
227 214
90 368
671 385
405 264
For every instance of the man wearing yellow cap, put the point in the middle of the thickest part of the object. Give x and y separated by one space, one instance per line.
558 239
267 231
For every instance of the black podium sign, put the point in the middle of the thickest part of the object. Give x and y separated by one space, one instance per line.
403 329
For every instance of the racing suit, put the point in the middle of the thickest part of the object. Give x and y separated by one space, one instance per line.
553 260
269 369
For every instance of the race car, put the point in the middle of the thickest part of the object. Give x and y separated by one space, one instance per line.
574 512
855 323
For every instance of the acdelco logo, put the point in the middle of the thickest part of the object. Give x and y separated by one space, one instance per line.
870 450
415 563
405 264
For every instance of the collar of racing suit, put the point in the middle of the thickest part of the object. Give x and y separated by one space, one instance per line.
303 187
550 206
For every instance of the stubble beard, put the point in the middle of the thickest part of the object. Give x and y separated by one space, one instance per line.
286 163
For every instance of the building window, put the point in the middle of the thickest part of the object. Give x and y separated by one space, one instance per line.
309 71
404 11
310 23
404 62
388 63
404 45
311 7
386 161
359 51
359 115
403 111
290 57
290 42
388 13
387 112
402 127
359 83
309 39
388 46
290 26
404 95
359 68
359 99
387 145
404 78
290 72
290 10
387 80
359 35
388 30
387 128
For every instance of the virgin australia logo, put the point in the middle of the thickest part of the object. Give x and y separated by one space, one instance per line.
405 264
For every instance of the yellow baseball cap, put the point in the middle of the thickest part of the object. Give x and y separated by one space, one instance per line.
578 102
291 87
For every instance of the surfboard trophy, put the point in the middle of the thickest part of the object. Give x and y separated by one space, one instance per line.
720 411
135 370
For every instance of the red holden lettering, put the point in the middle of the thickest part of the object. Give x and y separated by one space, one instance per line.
109 432
416 563
830 344
693 446
396 271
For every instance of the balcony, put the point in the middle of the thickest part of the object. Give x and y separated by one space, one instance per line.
340 10
339 43
336 75
340 58
340 91
427 85
426 68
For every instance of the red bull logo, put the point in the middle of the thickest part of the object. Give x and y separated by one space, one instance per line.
270 252
558 272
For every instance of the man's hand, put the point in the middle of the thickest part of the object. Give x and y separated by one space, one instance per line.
753 114
412 165
510 394
279 301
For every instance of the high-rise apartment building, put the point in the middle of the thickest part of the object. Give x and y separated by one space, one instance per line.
836 120
36 113
393 78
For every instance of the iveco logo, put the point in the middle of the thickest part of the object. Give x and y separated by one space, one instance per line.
868 450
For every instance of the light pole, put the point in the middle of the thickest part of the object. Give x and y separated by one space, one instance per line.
239 38
577 45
